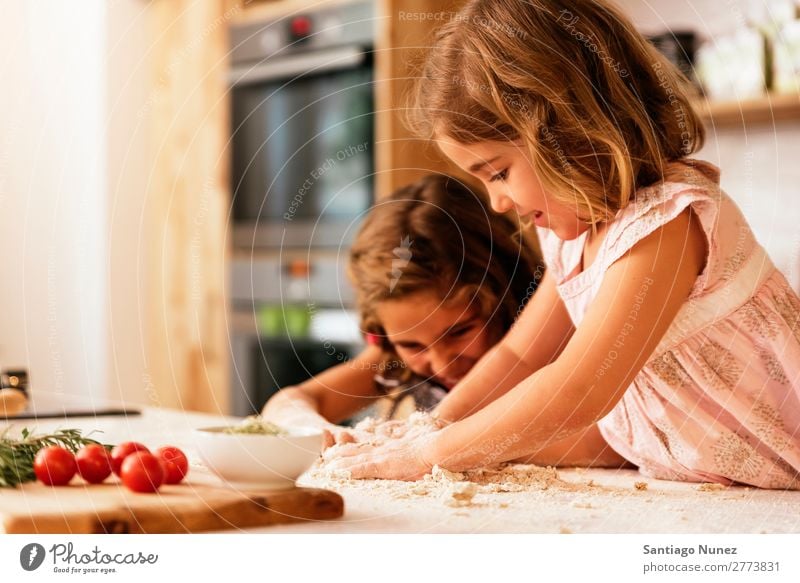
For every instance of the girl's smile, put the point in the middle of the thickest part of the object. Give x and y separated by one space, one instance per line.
438 340
507 173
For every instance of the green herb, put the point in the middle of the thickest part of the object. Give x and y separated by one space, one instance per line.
256 426
16 455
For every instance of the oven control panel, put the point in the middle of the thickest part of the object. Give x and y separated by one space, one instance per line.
349 24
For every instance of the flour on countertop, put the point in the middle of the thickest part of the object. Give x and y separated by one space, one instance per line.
711 487
530 498
457 489
460 494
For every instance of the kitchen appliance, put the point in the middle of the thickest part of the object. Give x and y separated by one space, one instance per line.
302 180
679 48
302 92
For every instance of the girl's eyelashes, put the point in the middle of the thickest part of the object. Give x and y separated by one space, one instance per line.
456 332
411 346
502 175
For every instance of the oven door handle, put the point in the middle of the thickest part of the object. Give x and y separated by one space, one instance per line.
294 65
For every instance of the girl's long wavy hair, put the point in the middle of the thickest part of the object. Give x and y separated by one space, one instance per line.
598 107
436 235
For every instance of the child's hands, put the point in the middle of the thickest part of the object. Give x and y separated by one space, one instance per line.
382 432
336 435
391 429
400 459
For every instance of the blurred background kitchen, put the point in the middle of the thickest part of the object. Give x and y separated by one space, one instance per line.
180 179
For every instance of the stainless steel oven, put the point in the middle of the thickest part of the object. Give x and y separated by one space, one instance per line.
302 178
302 91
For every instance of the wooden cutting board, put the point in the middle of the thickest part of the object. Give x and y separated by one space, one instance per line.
190 507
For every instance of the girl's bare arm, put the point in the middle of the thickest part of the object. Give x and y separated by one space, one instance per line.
329 397
535 340
637 302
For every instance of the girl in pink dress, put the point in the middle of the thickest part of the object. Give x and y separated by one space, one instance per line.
660 317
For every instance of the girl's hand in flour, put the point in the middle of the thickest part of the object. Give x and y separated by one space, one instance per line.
396 460
336 435
379 434
391 429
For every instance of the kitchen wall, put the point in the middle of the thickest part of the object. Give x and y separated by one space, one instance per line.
52 195
129 226
758 161
72 170
76 168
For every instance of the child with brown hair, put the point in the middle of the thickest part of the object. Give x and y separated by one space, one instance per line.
439 279
660 318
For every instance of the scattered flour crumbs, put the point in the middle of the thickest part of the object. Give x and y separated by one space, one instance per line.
457 489
490 486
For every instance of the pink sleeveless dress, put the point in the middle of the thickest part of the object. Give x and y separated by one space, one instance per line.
719 399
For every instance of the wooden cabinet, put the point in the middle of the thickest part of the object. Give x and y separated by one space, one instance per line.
768 110
188 196
401 46
187 204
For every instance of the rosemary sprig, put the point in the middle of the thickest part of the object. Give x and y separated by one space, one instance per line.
16 455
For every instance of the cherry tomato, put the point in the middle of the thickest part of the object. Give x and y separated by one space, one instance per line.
54 465
123 450
94 463
176 466
142 472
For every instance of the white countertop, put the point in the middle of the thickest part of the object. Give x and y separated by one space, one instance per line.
612 504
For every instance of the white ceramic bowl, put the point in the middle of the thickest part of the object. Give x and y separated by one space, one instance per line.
252 460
